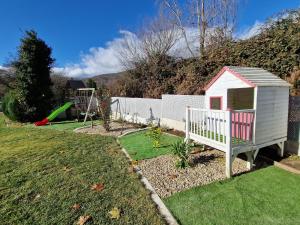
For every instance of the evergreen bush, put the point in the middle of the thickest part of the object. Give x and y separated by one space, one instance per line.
11 106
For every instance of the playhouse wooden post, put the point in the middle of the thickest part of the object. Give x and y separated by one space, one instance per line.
229 157
250 159
187 124
281 149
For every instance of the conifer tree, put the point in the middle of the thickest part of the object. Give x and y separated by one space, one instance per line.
33 83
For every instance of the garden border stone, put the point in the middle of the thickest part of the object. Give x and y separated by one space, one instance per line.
79 128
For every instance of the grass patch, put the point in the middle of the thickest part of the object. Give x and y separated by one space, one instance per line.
266 196
69 125
139 145
2 120
45 172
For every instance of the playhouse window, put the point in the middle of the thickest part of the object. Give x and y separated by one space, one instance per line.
240 98
216 103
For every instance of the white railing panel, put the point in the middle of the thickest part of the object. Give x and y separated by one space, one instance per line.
210 125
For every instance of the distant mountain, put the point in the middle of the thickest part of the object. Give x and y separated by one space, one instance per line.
3 72
107 79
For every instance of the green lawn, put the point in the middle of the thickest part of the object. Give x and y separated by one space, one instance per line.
65 125
139 145
43 173
267 196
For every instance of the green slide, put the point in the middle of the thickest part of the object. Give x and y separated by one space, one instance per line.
54 114
58 111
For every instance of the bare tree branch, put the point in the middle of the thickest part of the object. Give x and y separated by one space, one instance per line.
213 19
172 5
156 38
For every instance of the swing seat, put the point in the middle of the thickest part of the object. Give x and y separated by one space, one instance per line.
89 114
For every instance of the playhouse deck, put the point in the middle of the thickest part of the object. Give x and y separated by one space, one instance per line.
229 131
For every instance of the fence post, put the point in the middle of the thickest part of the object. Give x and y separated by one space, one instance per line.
228 135
187 123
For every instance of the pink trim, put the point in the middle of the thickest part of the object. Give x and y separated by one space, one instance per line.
242 125
221 101
225 68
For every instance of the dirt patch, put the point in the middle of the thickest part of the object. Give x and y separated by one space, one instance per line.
292 161
117 129
175 132
207 166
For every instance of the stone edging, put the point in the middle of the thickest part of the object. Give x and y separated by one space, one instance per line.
282 165
130 132
79 128
163 210
286 167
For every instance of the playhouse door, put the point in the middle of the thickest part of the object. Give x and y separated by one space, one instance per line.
239 99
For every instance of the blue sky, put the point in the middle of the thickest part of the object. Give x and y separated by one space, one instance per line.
79 30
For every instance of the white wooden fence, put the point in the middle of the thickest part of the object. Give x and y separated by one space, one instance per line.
168 111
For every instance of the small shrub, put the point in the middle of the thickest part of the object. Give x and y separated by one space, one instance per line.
155 134
182 150
105 107
11 107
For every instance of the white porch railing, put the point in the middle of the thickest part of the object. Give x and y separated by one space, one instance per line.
218 128
228 131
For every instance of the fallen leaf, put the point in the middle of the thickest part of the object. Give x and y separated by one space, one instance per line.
67 169
134 163
83 219
114 213
37 196
97 187
173 176
76 206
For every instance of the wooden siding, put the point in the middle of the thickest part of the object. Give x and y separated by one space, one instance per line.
271 114
219 88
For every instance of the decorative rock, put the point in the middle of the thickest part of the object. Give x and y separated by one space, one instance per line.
207 166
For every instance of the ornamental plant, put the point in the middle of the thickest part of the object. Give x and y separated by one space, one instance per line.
182 150
155 135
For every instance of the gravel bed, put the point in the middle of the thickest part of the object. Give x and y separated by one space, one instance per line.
207 166
117 129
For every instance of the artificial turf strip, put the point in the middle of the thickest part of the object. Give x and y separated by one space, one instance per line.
139 145
43 173
267 196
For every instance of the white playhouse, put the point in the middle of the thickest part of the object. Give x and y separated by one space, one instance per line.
246 109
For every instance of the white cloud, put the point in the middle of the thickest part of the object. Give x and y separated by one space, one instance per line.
3 68
251 31
102 60
99 60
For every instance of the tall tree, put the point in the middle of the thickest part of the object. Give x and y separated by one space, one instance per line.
33 83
